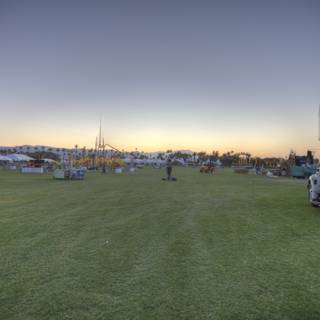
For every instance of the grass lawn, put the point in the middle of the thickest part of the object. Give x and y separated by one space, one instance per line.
132 246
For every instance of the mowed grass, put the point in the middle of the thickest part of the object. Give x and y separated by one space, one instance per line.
131 246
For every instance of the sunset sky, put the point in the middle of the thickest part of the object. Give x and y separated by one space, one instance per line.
200 75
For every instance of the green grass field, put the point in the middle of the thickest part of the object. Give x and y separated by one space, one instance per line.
132 246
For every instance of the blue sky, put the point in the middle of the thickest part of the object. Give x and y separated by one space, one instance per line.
202 75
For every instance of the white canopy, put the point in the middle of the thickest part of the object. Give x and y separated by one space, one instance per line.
49 160
19 157
5 158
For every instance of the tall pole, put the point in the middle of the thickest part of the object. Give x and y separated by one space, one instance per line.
100 141
95 152
319 123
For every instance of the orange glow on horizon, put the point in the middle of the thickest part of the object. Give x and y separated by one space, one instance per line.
162 142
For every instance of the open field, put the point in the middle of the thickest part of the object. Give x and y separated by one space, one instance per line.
135 247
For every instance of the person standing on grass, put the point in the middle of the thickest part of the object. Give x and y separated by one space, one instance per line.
169 169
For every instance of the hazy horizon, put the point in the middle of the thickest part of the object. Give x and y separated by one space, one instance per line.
198 75
208 151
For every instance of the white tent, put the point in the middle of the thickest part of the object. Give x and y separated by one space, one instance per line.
49 160
5 158
19 157
129 160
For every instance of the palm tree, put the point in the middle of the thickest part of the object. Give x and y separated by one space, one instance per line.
202 156
215 154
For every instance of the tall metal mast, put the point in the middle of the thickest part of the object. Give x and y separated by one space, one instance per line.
100 136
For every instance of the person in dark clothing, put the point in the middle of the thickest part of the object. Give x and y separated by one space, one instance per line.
169 169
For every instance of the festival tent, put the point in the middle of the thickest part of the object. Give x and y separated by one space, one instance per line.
156 162
217 162
5 158
19 157
180 161
128 160
49 160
